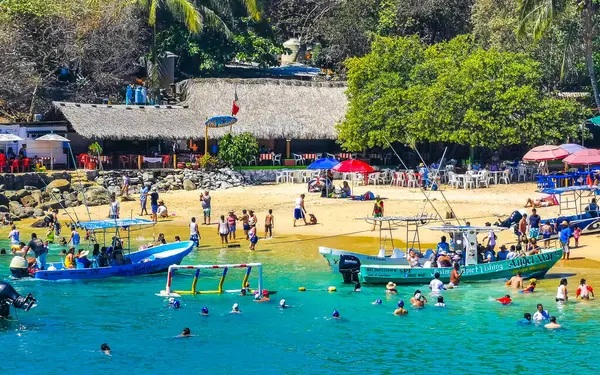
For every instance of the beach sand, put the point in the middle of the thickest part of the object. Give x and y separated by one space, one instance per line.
340 217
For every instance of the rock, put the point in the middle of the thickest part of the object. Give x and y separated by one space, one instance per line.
29 201
37 196
28 212
4 208
12 196
53 204
22 193
55 192
116 190
3 200
97 196
38 212
148 177
16 208
188 185
61 185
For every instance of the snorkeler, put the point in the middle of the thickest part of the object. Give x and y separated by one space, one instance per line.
400 310
506 300
418 299
204 311
440 302
105 348
282 304
235 309
336 314
378 301
526 319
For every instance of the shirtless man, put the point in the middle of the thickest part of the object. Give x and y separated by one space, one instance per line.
400 310
552 324
515 282
245 224
455 276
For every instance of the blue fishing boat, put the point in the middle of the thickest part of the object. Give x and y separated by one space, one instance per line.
151 260
573 203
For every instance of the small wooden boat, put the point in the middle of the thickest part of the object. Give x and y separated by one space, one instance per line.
530 266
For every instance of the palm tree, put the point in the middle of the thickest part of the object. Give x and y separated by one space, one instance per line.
543 12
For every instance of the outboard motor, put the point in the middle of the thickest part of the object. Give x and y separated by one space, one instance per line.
9 296
19 267
349 268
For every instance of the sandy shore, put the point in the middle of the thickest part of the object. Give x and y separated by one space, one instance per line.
339 217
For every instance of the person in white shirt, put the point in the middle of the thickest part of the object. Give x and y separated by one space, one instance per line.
14 235
440 302
541 314
194 234
512 254
162 209
436 284
114 207
300 210
491 237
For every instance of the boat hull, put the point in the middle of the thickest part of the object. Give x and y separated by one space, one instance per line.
530 266
333 258
158 259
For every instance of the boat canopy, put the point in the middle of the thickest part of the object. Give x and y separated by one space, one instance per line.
114 223
416 218
570 189
464 228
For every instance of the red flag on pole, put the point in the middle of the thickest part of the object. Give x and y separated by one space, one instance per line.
235 108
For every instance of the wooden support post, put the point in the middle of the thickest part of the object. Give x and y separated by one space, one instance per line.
174 161
140 161
205 139
287 148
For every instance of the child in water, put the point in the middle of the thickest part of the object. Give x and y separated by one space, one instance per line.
440 302
584 291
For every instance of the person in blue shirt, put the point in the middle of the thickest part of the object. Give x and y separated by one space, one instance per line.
144 199
489 256
502 253
442 246
534 224
564 235
592 208
526 319
424 172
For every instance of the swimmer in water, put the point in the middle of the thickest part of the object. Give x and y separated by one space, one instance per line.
400 310
552 324
526 319
264 297
418 299
506 300
204 311
531 287
584 291
185 333
235 309
105 348
440 302
243 292
378 301
357 287
174 303
541 314
390 288
282 304
336 314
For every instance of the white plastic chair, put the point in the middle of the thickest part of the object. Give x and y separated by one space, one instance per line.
522 173
387 158
412 180
397 254
298 159
381 253
306 176
469 180
505 176
319 155
373 178
331 156
252 160
453 181
280 177
277 159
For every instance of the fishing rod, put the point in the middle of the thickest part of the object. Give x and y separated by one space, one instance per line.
58 200
421 187
80 183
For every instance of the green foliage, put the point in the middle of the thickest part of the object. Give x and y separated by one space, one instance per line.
95 148
208 162
450 92
236 150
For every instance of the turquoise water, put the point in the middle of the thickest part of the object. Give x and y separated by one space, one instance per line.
474 334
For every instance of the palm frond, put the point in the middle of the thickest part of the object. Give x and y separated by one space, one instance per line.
212 20
538 12
188 13
253 9
220 7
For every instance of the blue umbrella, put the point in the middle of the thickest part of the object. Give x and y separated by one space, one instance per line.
323 163
571 148
220 121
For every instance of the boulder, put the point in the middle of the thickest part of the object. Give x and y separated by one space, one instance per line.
3 200
61 185
97 196
38 212
188 185
4 208
29 201
37 196
16 208
12 196
53 204
22 193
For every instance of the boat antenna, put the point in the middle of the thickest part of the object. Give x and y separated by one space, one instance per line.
420 187
441 192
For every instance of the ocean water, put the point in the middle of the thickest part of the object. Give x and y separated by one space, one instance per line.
473 335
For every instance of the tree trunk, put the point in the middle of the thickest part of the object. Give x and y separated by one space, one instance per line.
588 35
31 107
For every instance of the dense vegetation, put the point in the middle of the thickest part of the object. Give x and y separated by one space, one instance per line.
440 70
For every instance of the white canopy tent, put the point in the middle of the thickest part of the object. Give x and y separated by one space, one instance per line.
51 137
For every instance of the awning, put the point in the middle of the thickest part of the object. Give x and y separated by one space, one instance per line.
594 120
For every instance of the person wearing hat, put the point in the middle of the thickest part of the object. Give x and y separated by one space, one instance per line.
400 310
282 304
154 203
424 173
390 288
502 254
81 260
531 287
564 235
162 210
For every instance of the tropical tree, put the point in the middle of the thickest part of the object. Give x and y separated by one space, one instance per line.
536 17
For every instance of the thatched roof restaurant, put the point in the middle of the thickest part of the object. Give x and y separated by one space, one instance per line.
269 109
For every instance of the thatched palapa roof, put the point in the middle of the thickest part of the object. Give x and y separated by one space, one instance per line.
269 108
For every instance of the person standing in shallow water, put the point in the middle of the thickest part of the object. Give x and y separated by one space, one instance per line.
205 201
143 200
194 234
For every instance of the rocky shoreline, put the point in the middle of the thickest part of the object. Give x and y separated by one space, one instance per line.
30 194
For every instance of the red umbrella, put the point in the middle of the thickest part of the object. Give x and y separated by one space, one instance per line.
588 156
546 152
353 166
